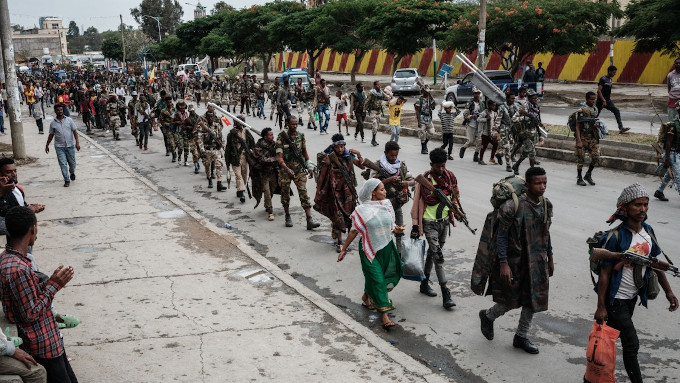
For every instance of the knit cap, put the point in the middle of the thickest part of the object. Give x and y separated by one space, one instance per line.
631 193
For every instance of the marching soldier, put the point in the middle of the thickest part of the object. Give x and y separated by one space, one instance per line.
291 152
112 108
237 153
165 118
210 141
507 111
587 140
181 127
132 116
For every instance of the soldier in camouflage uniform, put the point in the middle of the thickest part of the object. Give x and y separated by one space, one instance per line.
113 110
191 139
206 89
210 141
244 94
252 94
165 118
293 168
308 100
132 116
182 125
529 120
522 263
506 112
273 91
587 140
373 108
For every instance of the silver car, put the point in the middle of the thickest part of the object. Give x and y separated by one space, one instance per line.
406 80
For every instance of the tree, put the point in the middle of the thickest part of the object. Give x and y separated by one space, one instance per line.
516 30
73 30
301 30
136 42
191 33
112 48
407 26
169 11
651 22
221 6
17 28
216 45
171 48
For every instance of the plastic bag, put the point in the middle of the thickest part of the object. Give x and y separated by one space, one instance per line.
413 258
316 116
601 354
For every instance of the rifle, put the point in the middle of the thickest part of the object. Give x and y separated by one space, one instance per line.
297 155
345 174
383 173
599 254
458 211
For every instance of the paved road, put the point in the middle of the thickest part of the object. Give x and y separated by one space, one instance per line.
451 340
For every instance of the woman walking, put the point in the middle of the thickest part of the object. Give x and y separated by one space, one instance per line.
380 260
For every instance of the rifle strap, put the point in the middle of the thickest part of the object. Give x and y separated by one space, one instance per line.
657 245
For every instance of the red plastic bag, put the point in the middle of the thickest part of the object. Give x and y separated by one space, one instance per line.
601 354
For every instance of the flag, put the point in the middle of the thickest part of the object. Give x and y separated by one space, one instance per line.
152 75
304 60
226 121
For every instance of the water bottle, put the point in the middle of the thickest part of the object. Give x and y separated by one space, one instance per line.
228 226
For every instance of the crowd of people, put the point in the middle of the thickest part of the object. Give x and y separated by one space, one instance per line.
519 232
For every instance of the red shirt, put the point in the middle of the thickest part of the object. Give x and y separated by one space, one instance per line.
27 304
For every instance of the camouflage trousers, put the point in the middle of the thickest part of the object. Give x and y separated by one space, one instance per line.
193 148
527 148
300 180
590 145
114 124
213 157
168 138
425 131
507 141
182 146
133 127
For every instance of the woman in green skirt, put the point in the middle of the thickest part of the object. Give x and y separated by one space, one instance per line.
373 219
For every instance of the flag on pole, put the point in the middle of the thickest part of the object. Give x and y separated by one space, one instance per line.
304 60
152 75
226 121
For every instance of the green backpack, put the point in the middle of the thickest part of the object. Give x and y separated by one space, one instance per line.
510 187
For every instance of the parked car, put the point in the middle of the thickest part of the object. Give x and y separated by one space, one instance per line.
406 80
461 93
219 72
293 74
115 69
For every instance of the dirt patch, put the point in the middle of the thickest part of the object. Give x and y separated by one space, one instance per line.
6 151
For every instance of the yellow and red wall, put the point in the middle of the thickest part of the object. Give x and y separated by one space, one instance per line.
642 68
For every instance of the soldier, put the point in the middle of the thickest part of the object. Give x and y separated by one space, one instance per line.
424 107
291 152
210 142
373 107
587 140
132 116
244 93
166 111
357 111
300 93
112 108
273 90
264 172
506 111
181 126
529 119
252 93
472 110
283 101
520 273
190 134
206 89
144 118
238 154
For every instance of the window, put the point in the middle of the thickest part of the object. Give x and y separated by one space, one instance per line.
55 26
404 74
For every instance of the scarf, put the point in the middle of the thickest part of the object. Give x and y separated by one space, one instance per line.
444 182
390 168
374 220
377 94
361 97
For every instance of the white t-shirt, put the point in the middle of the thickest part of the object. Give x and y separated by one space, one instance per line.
340 105
640 244
18 196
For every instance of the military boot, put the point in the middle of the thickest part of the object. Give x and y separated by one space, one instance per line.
373 141
499 158
426 289
579 179
475 157
167 153
423 148
589 177
447 302
220 187
241 196
311 224
174 157
289 221
210 183
195 167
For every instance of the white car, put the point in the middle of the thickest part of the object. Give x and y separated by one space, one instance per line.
219 72
406 80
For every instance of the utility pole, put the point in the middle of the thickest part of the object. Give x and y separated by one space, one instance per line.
611 43
434 62
17 128
481 59
122 42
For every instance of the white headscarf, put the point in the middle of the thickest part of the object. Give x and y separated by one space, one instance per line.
374 220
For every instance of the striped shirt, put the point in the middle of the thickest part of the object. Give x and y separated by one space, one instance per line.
447 121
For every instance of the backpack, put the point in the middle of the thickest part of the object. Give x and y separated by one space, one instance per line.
664 129
571 121
653 287
511 187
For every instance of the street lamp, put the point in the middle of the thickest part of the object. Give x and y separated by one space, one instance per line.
158 21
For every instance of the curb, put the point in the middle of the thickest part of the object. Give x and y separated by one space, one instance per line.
399 357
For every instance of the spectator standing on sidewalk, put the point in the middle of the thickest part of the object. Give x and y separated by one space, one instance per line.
673 81
604 92
65 134
27 303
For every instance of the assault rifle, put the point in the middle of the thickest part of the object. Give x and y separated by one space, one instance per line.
599 254
345 174
383 172
455 208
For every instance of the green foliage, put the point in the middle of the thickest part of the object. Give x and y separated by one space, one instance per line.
112 48
171 48
73 30
169 11
221 6
216 45
521 29
191 33
653 24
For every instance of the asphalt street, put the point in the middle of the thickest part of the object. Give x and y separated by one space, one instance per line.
448 341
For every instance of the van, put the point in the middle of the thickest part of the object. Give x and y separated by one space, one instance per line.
191 68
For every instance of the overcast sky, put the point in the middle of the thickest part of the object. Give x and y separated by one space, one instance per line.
102 14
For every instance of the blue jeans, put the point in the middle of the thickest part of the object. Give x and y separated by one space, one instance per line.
395 132
324 117
260 108
67 111
2 123
675 166
66 156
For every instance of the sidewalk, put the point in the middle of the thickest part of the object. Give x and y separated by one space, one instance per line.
163 294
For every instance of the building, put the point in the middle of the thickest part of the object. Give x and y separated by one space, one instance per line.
47 39
199 11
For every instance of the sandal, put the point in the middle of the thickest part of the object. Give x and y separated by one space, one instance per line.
66 321
368 305
388 325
